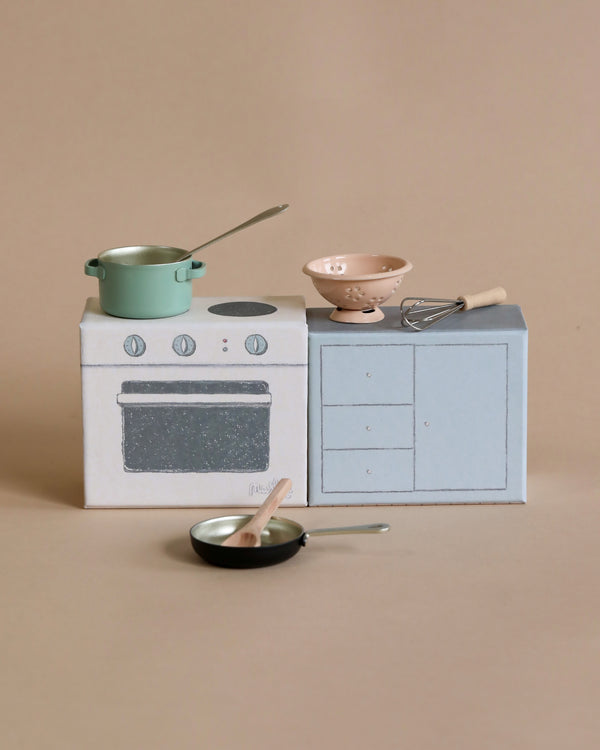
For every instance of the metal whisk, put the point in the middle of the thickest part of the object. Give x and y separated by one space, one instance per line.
421 312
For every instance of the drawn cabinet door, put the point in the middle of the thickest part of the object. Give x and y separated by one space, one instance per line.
461 417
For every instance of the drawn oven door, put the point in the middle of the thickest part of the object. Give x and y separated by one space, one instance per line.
195 426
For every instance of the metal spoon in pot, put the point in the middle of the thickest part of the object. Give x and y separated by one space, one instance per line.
254 220
249 534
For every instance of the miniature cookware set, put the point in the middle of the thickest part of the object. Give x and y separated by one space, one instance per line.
154 281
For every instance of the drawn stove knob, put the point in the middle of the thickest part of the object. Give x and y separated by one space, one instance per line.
134 345
184 345
256 344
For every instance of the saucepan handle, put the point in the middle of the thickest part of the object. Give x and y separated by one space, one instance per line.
196 270
93 268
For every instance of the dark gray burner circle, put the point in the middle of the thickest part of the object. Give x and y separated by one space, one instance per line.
242 309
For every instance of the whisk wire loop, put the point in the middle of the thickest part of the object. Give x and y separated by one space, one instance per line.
419 313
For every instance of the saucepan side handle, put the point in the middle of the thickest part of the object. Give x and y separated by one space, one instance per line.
197 270
93 268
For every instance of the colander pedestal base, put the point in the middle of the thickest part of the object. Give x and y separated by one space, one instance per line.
356 316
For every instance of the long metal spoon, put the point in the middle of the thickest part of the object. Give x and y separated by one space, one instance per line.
254 220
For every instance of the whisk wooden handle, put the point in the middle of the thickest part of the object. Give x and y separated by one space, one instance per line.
482 299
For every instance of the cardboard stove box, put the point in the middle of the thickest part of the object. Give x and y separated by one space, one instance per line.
208 408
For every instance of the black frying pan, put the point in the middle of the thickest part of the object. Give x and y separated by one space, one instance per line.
280 540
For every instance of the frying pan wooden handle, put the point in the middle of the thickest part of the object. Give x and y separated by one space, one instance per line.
482 299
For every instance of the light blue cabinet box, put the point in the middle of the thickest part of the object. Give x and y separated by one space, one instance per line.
399 417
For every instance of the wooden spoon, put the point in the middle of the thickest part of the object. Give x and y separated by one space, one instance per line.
249 534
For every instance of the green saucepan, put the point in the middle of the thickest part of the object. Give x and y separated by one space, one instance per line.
154 281
144 281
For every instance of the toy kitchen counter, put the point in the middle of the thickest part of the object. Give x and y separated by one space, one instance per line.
404 417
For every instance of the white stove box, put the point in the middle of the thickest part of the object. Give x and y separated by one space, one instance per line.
208 408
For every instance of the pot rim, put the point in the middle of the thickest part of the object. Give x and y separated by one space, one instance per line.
103 259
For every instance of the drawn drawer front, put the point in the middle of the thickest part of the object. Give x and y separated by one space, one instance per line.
367 470
368 427
367 374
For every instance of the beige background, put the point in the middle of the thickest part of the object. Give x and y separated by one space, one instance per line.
461 135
